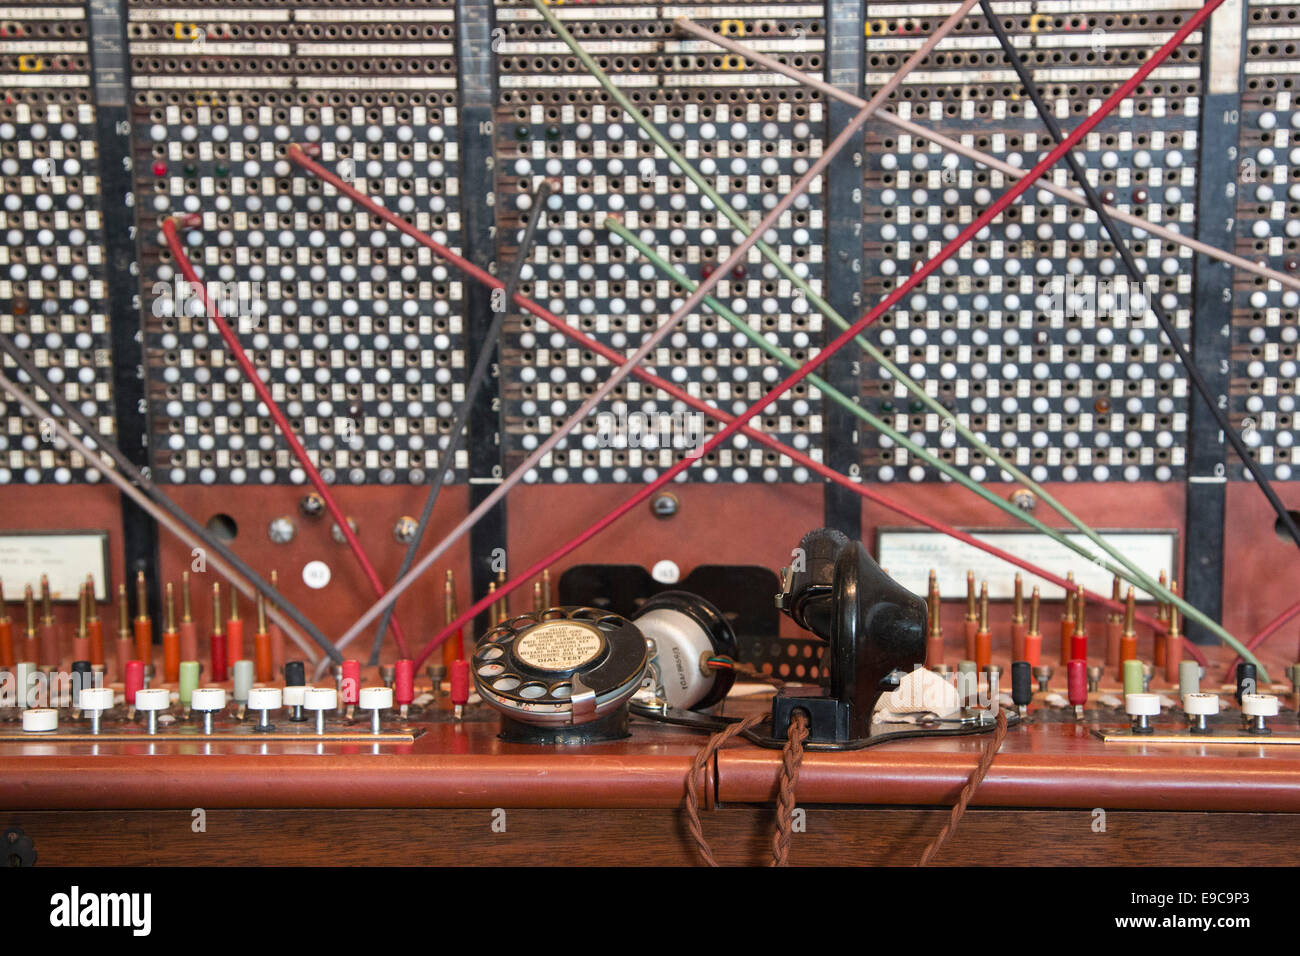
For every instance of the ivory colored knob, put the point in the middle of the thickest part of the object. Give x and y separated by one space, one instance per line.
208 699
321 698
152 698
1259 705
265 698
39 719
1142 705
376 698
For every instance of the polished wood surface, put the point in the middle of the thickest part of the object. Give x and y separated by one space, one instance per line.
451 765
738 835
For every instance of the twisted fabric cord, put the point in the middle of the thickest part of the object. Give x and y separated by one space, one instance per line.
976 778
701 760
791 758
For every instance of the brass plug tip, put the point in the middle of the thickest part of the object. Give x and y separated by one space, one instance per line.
1173 612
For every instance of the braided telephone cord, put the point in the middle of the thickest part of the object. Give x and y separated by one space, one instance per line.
791 758
976 778
701 760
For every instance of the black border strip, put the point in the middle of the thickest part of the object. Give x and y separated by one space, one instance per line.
1211 339
845 42
476 73
111 88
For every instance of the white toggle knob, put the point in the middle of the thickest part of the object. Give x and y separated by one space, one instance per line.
152 700
155 698
93 702
294 695
320 700
1142 707
1201 704
96 698
1198 707
1259 707
40 720
375 699
207 701
265 700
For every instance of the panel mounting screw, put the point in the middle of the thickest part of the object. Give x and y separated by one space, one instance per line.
404 530
337 533
281 530
1024 499
664 505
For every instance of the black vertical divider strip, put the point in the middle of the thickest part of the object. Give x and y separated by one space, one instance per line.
111 89
1211 341
845 38
476 75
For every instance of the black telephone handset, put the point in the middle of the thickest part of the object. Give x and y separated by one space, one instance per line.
873 627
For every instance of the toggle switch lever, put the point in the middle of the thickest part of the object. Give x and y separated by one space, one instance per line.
1141 708
1198 706
151 701
93 702
208 701
263 700
376 700
1255 709
319 700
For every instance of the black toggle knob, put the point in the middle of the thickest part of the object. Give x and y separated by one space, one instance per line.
1022 686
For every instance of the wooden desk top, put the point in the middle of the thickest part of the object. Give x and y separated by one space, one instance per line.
1043 765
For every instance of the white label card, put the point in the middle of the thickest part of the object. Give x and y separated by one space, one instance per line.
66 557
909 555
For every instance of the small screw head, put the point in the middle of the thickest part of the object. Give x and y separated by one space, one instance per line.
1024 499
337 533
664 505
311 505
281 530
404 530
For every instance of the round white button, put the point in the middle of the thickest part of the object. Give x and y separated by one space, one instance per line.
1197 704
96 698
39 719
316 574
1259 705
294 695
208 698
666 572
152 698
1142 705
376 698
321 698
265 698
